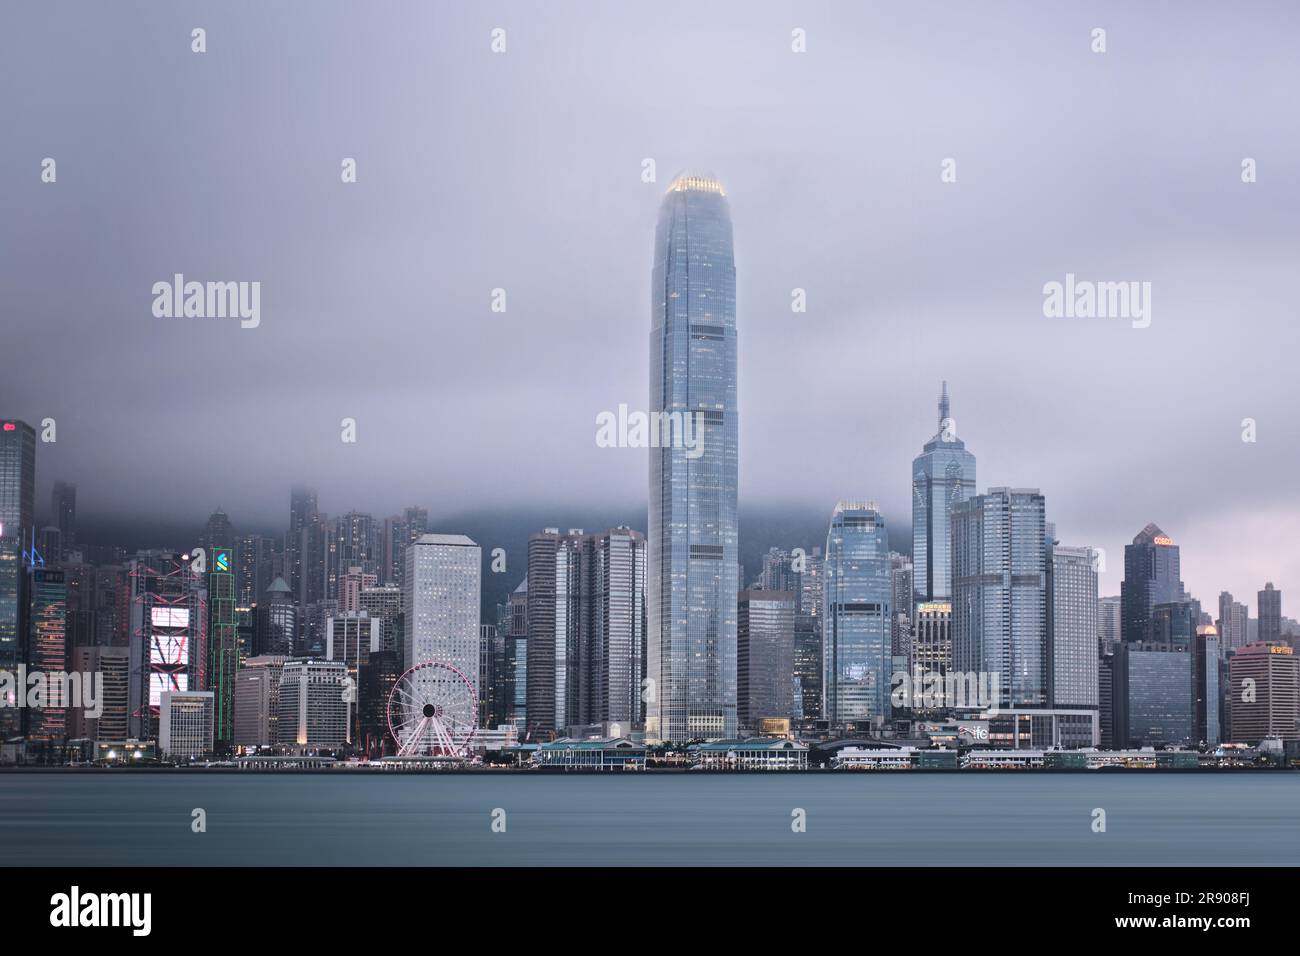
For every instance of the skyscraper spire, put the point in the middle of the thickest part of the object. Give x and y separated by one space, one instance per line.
943 474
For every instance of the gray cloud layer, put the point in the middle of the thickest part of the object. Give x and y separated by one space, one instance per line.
522 171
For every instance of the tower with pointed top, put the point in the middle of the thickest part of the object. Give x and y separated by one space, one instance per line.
1151 577
693 570
942 475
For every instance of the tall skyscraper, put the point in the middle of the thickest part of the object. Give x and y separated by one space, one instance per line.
586 629
17 480
1151 577
942 475
168 618
931 649
515 624
901 618
765 657
1269 604
316 543
1207 661
1232 622
1108 622
17 518
999 606
352 637
256 559
12 627
222 657
1072 628
441 596
353 543
694 570
63 512
1269 705
856 651
218 532
302 506
47 648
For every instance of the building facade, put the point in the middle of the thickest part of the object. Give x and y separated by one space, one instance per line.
313 711
1151 576
1269 603
999 606
1072 628
942 475
586 621
1265 685
185 724
856 651
257 702
693 559
765 657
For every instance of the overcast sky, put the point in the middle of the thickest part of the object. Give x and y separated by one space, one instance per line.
522 170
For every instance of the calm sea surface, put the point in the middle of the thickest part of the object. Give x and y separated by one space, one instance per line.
860 819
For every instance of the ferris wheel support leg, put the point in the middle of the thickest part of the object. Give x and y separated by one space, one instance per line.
408 747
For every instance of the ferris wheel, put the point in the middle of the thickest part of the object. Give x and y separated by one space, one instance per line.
432 711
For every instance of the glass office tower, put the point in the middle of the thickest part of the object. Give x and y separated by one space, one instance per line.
999 605
1151 577
856 651
693 569
942 475
17 518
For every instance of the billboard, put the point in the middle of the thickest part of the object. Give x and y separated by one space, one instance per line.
169 617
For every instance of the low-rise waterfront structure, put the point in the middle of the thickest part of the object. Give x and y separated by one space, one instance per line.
757 753
610 753
894 758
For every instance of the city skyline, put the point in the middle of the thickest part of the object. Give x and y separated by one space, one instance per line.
896 270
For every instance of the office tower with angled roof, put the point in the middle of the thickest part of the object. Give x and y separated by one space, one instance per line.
1151 577
856 634
942 475
276 622
694 570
